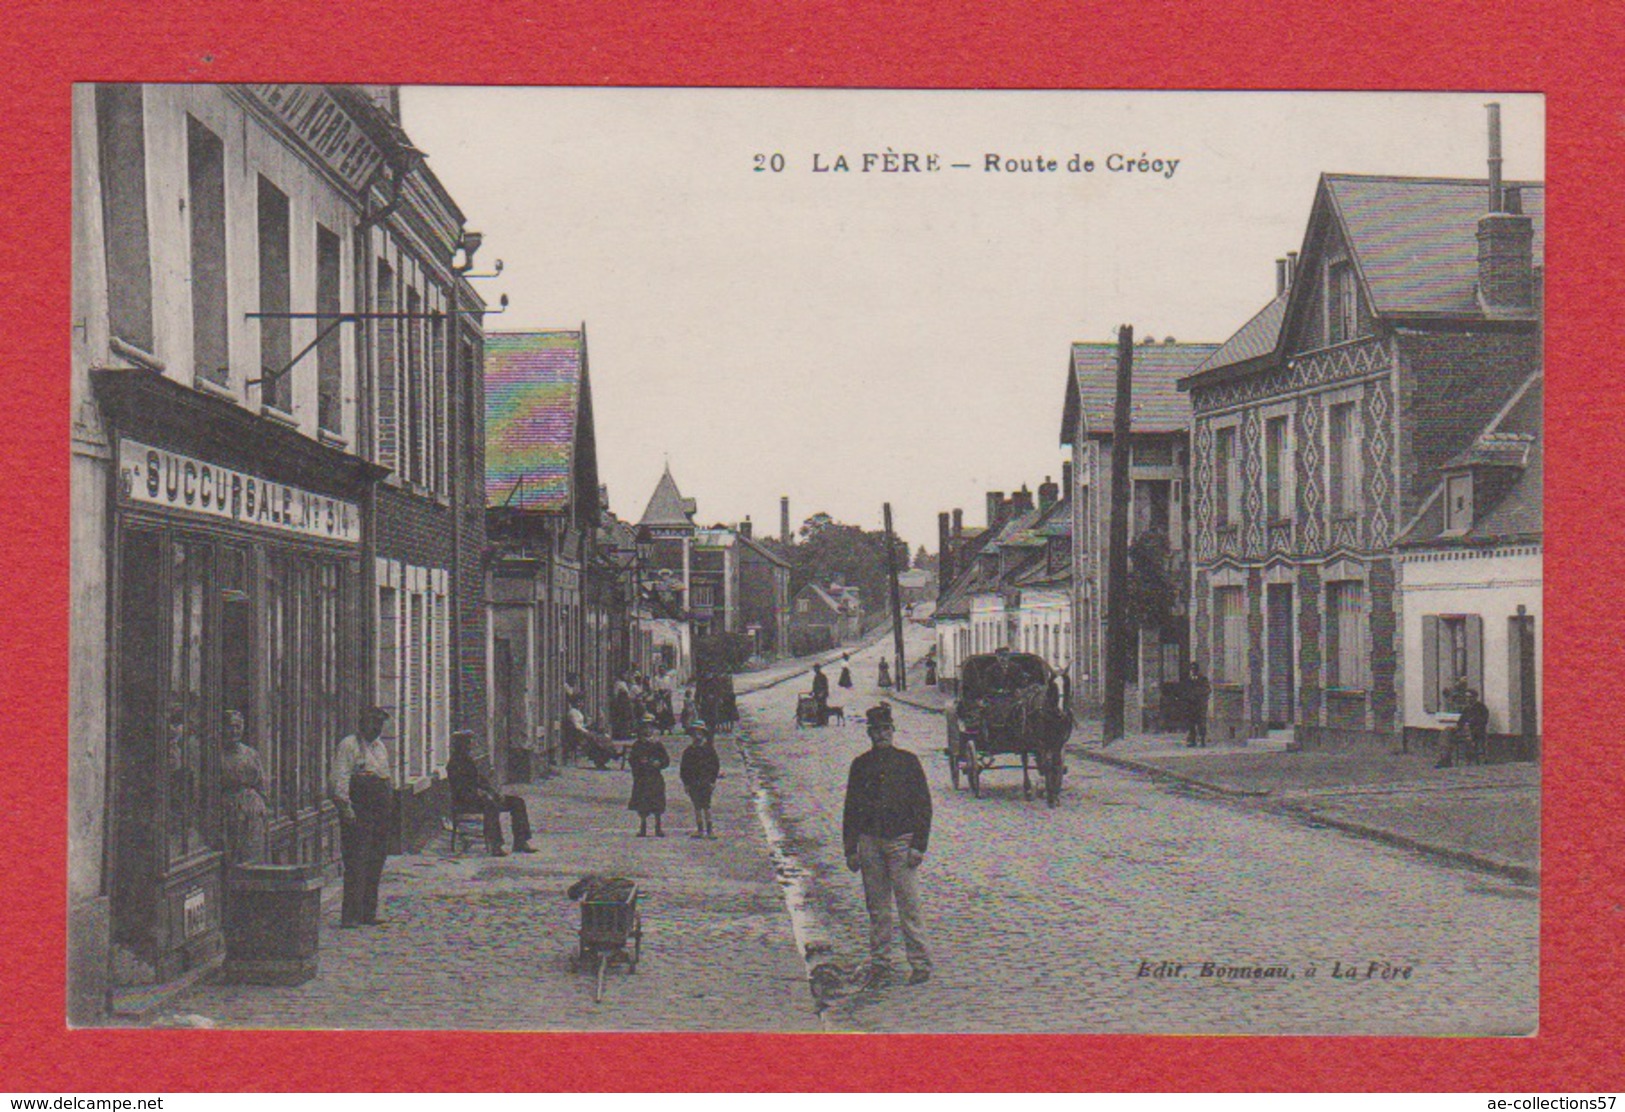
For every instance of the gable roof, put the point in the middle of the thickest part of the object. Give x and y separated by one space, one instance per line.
1512 440
821 595
536 406
757 546
1415 240
1253 340
667 506
1156 405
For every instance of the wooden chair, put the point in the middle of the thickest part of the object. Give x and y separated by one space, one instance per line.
455 822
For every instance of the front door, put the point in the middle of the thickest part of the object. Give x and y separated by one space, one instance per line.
1278 689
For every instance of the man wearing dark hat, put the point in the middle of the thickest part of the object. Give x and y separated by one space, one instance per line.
886 827
365 795
471 791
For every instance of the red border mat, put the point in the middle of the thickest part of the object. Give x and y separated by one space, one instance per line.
1568 51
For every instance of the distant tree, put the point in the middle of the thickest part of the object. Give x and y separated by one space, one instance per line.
833 552
815 524
925 561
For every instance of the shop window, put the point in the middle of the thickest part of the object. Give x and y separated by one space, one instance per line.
1229 635
276 333
206 189
330 351
190 788
1347 662
122 154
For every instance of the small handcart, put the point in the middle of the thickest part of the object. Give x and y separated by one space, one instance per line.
611 928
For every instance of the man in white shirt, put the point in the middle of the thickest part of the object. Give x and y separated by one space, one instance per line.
364 791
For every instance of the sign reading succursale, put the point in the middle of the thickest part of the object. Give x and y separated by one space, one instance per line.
155 477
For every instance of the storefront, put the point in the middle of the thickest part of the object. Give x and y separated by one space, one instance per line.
235 559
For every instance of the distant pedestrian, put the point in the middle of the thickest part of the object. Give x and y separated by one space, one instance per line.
699 770
472 791
620 709
931 670
885 828
363 789
649 760
846 671
1197 691
884 679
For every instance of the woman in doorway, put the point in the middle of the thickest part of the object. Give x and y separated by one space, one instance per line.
242 783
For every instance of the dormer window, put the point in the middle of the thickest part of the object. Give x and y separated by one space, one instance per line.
1458 503
1340 305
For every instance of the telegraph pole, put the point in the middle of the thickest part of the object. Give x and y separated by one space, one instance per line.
1117 552
901 679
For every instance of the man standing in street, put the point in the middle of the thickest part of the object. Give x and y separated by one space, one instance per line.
885 830
1474 726
364 791
1197 690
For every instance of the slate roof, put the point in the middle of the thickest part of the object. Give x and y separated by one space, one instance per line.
533 409
1514 441
757 546
1156 404
667 506
1416 239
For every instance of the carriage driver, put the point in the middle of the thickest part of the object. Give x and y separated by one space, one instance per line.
886 826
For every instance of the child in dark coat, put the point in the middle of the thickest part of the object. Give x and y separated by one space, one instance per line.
699 771
649 760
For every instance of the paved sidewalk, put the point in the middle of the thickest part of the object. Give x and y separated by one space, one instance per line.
1487 817
475 942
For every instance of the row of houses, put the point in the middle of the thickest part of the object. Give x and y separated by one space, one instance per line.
305 479
1347 491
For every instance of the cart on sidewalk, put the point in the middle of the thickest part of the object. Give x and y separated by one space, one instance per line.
611 927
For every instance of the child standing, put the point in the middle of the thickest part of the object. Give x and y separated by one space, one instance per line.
699 771
649 760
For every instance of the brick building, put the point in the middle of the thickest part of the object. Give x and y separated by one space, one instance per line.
1159 470
1408 321
544 508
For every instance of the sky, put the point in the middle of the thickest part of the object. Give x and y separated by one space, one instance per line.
850 338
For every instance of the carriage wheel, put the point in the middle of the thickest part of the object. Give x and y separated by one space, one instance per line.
598 989
973 768
1053 769
637 944
953 750
1026 780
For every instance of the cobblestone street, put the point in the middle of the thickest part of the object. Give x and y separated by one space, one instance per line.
474 942
1042 920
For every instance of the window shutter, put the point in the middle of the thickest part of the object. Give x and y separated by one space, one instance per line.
1475 655
1430 663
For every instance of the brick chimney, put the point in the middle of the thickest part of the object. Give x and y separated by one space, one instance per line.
784 520
995 509
1021 501
1066 479
1048 494
959 523
1506 272
744 528
945 548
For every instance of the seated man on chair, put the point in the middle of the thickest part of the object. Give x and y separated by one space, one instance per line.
471 791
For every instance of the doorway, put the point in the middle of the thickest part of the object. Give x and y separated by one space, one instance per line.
1278 711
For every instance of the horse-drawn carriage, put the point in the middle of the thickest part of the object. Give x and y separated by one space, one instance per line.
1009 705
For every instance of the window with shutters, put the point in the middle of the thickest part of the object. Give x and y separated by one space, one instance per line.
206 188
388 407
1277 469
1343 460
1452 660
1226 477
122 153
276 291
1347 661
329 352
1341 322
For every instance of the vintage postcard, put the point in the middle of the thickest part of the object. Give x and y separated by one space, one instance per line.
806 560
